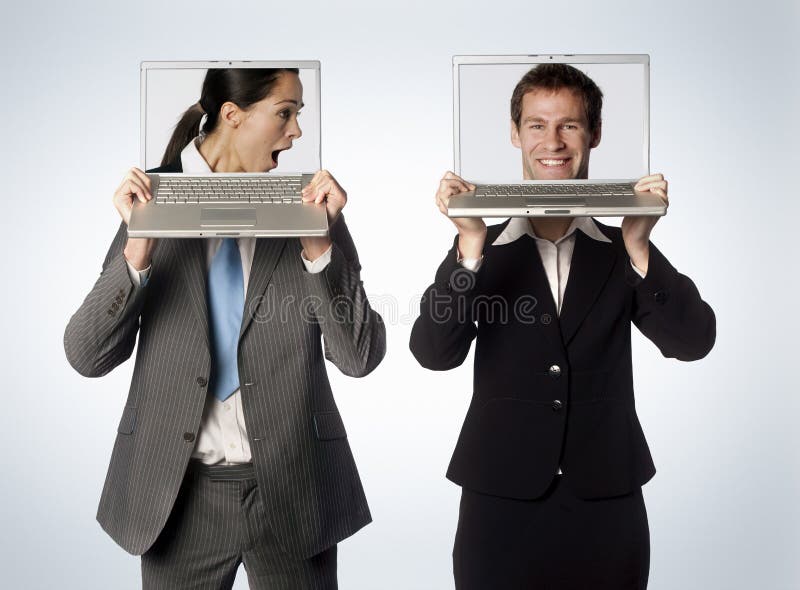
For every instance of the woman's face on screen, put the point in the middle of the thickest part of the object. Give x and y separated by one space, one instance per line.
270 125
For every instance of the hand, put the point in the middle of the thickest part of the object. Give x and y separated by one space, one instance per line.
135 185
636 229
324 188
471 230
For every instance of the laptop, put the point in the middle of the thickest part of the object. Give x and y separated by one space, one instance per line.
486 156
209 205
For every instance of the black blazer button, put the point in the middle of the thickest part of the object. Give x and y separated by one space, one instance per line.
660 297
555 371
557 405
202 381
188 436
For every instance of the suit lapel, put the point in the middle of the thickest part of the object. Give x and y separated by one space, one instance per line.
590 268
191 253
265 258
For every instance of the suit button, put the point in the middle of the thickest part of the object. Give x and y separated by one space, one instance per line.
202 381
188 436
555 371
557 405
660 297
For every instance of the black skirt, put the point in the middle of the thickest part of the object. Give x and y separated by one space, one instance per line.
557 542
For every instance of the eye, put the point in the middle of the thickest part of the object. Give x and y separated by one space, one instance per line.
570 126
536 126
285 114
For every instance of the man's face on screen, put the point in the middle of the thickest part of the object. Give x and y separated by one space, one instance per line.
554 135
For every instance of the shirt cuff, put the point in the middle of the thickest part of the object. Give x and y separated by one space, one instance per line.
320 263
472 264
638 272
138 277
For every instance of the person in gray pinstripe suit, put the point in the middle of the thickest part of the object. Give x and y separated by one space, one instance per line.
197 485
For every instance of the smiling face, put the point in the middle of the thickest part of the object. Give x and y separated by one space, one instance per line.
554 135
269 126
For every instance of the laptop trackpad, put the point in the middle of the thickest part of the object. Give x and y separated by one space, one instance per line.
217 217
555 201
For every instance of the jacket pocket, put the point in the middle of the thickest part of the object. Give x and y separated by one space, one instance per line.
128 420
329 425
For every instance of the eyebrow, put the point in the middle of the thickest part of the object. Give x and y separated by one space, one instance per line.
294 102
541 120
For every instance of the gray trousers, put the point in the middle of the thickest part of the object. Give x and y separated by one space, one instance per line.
218 522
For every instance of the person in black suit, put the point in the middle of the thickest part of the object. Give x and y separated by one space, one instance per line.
551 457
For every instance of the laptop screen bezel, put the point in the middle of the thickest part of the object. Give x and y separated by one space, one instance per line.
146 66
535 59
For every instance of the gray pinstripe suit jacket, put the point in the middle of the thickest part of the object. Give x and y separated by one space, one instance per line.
302 459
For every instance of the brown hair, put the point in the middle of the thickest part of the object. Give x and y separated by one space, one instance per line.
554 77
241 86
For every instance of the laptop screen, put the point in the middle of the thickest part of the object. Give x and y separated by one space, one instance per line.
169 88
483 89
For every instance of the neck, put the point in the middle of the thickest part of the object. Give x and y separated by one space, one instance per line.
218 155
550 228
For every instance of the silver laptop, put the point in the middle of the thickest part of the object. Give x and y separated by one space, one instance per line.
208 205
527 167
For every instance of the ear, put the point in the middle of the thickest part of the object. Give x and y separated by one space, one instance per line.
596 136
230 114
515 135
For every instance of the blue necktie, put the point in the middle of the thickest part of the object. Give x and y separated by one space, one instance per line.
225 308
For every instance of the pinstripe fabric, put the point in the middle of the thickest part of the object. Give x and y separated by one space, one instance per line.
214 527
313 496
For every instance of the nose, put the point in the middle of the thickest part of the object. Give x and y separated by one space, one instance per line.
552 140
294 131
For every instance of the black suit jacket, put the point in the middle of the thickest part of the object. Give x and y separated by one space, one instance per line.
552 390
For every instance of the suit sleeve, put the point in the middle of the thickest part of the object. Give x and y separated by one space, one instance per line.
667 308
102 333
443 332
354 336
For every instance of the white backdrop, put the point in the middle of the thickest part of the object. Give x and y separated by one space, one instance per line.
724 125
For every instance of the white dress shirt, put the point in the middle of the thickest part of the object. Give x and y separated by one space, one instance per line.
222 438
556 256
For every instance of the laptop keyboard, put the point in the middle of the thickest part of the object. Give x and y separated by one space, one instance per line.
176 190
554 190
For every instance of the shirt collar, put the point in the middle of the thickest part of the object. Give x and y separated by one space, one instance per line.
192 161
519 226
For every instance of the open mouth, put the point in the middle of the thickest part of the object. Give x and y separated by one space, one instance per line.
275 154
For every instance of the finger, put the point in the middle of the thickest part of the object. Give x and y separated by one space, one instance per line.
651 185
322 191
144 181
650 178
459 185
661 193
134 188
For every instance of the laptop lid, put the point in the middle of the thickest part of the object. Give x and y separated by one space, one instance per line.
168 88
482 89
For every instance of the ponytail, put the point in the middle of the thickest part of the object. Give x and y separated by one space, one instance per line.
185 131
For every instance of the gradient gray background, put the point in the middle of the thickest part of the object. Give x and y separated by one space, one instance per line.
724 97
